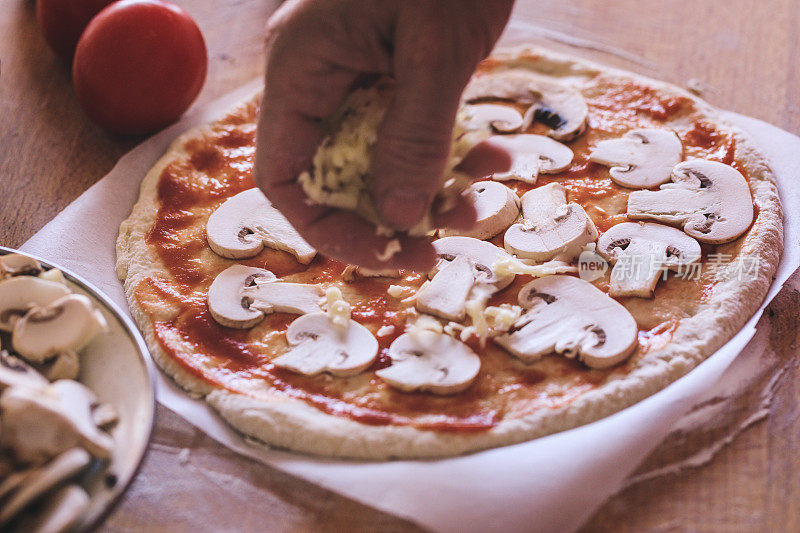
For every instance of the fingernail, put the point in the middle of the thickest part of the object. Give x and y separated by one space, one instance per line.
403 208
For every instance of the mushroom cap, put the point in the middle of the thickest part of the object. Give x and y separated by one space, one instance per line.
641 251
225 301
530 155
63 510
12 477
40 423
481 255
550 227
556 104
570 316
317 346
447 293
429 361
247 222
64 325
711 201
79 401
680 248
641 158
18 294
496 117
496 206
18 265
64 365
240 296
14 371
465 264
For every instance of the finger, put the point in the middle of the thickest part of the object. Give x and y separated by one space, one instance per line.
345 236
288 137
461 216
485 159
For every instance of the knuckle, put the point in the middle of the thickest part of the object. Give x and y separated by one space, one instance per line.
420 156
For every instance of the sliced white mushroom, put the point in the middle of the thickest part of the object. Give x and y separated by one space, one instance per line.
353 272
430 361
465 266
53 274
555 104
62 511
104 415
18 265
14 371
317 345
550 228
496 117
641 253
247 222
19 294
13 479
482 256
42 480
709 200
65 325
40 423
569 316
531 155
641 158
64 365
241 296
446 296
496 205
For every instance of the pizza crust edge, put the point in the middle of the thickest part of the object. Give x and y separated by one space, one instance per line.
296 425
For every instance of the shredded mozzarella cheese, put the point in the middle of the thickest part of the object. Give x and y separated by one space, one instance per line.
511 265
396 291
384 331
338 308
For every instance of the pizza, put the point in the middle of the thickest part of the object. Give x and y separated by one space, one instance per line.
634 234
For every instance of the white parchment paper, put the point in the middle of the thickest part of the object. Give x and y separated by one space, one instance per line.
549 484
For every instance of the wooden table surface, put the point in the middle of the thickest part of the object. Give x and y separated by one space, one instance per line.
744 54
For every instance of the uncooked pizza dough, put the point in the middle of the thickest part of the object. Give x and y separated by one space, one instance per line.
633 235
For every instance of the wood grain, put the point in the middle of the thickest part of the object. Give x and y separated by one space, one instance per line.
743 52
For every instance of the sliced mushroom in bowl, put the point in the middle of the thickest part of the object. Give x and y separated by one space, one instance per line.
61 440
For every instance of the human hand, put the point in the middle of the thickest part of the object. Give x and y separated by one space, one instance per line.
317 51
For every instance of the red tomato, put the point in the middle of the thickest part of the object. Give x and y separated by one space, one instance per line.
139 65
63 21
